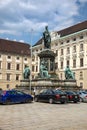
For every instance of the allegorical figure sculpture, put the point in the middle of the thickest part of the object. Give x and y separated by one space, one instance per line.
47 38
68 73
43 71
26 72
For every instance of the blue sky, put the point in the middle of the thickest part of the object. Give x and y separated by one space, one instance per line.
25 20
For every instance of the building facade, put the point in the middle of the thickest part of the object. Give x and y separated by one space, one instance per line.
70 46
14 56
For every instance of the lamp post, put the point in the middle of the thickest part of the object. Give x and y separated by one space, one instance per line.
31 59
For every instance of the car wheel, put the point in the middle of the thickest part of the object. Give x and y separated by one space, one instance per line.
50 100
36 99
8 102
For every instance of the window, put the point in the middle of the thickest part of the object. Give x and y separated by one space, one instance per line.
81 37
74 48
61 52
33 58
74 63
17 66
36 68
74 39
81 75
8 86
67 63
8 77
36 58
68 50
33 68
17 77
17 58
62 65
8 66
9 57
61 43
81 47
25 59
67 41
81 62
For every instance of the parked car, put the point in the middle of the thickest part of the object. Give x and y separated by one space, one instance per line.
14 96
83 96
51 96
72 96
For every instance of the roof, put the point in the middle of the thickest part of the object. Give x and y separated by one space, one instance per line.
73 29
14 47
70 30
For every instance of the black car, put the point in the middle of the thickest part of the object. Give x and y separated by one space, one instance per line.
72 96
51 96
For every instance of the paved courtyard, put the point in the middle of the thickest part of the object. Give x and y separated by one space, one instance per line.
43 116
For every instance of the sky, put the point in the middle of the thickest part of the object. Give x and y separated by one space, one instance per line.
25 20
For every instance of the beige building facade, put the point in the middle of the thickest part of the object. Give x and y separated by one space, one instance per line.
70 46
14 56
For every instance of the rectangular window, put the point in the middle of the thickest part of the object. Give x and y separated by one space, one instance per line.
17 77
33 68
67 63
8 66
81 47
68 50
62 65
74 49
74 63
81 62
61 52
36 68
8 77
17 66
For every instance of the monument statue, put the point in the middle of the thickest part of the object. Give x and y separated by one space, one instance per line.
43 71
68 73
47 38
26 72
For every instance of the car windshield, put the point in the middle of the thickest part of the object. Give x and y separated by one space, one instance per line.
59 92
70 92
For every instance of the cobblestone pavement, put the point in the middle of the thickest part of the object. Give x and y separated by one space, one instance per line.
43 116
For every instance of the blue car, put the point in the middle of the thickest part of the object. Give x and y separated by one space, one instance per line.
14 96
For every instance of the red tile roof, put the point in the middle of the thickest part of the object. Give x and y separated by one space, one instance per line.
73 29
70 30
14 47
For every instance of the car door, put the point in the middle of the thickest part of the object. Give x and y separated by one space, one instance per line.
20 96
47 95
12 96
42 96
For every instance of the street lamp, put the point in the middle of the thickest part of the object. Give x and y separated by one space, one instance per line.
31 59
